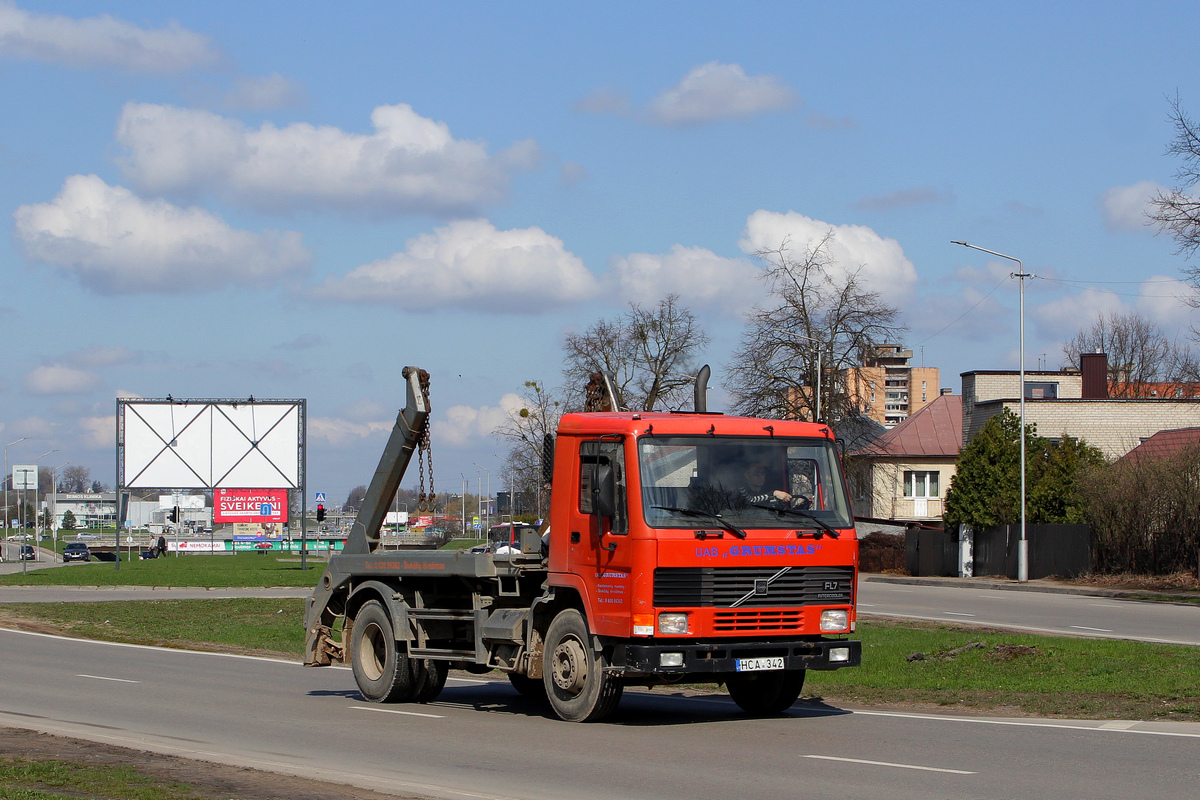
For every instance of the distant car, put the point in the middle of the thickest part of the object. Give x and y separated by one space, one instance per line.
27 553
20 537
77 551
82 536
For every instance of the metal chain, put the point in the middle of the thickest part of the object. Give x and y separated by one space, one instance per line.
425 502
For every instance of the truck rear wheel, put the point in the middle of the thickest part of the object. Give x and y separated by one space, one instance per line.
578 688
429 678
383 673
766 692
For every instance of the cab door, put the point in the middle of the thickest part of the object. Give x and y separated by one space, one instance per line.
600 543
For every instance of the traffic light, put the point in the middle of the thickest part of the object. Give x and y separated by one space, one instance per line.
174 515
320 512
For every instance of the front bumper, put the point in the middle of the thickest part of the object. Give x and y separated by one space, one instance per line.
711 658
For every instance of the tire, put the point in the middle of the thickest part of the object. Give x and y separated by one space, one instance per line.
578 688
381 670
766 692
429 678
530 688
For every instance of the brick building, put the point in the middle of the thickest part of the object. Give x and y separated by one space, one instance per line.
1077 404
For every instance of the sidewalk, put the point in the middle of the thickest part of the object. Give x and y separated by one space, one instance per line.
1040 585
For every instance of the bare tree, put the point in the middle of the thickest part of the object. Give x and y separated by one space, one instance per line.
1139 353
648 352
354 500
74 479
525 432
1176 211
814 315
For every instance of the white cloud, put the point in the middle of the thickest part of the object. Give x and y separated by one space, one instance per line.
468 261
1066 315
410 163
61 379
715 91
101 356
1125 207
700 277
885 268
101 41
1163 299
260 94
97 433
466 424
115 242
339 433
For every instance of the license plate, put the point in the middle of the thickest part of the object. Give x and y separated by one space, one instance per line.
758 664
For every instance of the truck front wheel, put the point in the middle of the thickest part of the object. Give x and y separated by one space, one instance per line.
766 692
382 672
578 688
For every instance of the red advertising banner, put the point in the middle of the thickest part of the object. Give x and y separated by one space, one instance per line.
250 505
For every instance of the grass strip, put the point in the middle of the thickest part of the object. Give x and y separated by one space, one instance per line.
264 569
960 667
38 780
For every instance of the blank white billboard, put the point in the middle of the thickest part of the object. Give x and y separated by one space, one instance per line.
207 444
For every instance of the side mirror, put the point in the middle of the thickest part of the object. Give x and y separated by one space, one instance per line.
604 491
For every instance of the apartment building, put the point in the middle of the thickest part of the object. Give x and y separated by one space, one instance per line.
887 388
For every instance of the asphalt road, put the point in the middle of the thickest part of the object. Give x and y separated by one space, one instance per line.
482 740
1032 610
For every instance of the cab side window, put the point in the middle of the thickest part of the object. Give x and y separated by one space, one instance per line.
603 454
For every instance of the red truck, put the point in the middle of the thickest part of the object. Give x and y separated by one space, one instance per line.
687 547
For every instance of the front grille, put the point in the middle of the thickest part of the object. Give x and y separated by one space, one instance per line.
762 621
744 587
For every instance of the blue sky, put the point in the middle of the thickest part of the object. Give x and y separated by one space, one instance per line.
295 200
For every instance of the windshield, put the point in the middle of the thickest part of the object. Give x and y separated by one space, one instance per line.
750 482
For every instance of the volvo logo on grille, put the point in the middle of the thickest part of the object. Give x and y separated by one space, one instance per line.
831 586
760 585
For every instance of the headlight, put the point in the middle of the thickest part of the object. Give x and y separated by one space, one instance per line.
839 654
670 659
672 622
835 619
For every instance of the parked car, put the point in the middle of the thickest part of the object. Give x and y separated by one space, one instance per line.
77 551
20 537
82 536
27 553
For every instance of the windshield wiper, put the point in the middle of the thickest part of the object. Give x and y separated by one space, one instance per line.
691 512
797 512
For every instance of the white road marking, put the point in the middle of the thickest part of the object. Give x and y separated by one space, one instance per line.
1103 605
890 764
104 678
957 614
866 605
1101 728
1034 628
398 711
905 591
1086 628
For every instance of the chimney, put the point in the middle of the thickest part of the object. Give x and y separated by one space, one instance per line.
1094 367
947 390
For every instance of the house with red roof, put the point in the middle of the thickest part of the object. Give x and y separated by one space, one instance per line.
904 474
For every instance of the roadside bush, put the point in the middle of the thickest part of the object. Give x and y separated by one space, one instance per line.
881 552
1145 513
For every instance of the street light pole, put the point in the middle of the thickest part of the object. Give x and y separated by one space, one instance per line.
37 514
1023 546
6 479
487 516
54 505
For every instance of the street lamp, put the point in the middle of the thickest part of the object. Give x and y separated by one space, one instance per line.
54 505
37 516
1023 546
6 479
487 517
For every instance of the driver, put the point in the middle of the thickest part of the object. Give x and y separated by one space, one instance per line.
756 493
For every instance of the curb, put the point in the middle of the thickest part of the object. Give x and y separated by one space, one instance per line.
1030 586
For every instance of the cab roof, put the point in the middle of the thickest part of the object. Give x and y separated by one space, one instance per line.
686 423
